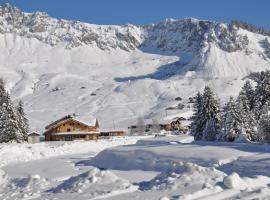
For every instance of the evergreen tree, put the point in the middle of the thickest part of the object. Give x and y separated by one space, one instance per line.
247 116
264 125
210 131
196 125
22 121
9 128
206 114
262 92
248 91
210 110
232 121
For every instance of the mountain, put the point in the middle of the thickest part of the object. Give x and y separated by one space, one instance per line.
120 73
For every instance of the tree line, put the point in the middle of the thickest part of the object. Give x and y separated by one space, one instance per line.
247 116
13 122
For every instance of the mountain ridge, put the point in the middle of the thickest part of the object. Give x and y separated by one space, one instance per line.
120 73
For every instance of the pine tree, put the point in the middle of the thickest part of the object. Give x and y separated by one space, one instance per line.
206 114
210 131
9 128
264 125
248 91
210 111
22 121
248 117
262 92
196 125
232 121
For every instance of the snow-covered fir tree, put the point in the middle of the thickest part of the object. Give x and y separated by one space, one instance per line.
197 125
22 121
232 121
9 127
211 129
248 91
206 114
210 112
247 116
264 125
262 92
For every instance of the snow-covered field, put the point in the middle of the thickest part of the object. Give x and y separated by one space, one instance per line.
164 168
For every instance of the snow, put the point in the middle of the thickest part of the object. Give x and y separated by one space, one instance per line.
235 181
95 183
86 119
13 153
3 177
133 81
117 74
171 167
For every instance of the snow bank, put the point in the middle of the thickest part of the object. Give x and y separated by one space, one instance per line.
95 183
24 188
10 153
3 177
186 177
166 140
234 181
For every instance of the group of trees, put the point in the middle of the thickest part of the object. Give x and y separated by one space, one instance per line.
13 122
247 116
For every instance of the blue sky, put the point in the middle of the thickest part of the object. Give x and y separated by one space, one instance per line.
150 11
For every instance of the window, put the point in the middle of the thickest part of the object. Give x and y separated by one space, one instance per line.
68 130
68 138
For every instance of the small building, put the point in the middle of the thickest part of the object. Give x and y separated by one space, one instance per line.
106 134
167 125
33 137
73 127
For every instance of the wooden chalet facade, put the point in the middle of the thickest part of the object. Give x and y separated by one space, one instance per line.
73 127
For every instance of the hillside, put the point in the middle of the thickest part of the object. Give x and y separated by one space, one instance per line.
118 73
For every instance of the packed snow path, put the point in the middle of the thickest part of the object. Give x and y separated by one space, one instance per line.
153 168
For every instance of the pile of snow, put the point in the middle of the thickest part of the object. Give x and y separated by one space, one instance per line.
234 181
166 140
160 154
3 177
186 177
10 153
95 183
22 188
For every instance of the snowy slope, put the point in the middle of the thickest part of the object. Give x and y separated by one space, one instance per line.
118 73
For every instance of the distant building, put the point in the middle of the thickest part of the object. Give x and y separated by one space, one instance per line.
33 137
106 134
73 127
167 125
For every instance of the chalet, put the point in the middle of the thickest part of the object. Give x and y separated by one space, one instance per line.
73 127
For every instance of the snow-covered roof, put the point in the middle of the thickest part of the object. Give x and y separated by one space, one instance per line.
77 133
87 120
33 133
